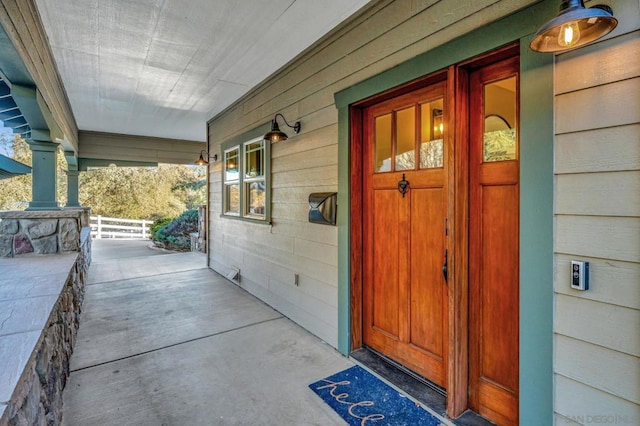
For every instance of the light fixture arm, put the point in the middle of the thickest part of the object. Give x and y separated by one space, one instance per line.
276 135
604 7
296 126
204 158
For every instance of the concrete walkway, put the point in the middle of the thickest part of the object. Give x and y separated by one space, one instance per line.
164 340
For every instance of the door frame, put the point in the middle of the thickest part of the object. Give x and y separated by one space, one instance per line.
536 200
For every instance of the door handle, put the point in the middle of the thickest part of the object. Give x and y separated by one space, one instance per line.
445 267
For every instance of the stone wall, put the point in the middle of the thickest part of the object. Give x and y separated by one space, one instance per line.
41 232
37 399
37 396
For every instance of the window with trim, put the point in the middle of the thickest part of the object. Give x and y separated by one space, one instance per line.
245 180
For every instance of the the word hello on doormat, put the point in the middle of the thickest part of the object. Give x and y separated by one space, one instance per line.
360 398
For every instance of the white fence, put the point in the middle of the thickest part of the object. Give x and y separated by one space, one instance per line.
111 227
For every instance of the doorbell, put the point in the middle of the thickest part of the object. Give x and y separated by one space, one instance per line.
579 275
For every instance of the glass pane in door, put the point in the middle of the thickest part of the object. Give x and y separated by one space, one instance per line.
405 139
500 141
382 143
432 134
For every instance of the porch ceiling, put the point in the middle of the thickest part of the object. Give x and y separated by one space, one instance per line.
162 68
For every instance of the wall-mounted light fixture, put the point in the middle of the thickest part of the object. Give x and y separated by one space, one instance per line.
574 26
275 135
204 158
438 124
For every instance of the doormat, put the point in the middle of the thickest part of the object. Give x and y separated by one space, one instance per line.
360 398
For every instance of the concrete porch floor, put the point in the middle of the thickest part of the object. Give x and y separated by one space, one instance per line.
164 340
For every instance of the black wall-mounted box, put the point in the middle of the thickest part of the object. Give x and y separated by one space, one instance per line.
323 207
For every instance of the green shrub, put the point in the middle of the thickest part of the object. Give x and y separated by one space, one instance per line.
175 234
157 224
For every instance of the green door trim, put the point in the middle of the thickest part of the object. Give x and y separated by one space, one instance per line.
536 189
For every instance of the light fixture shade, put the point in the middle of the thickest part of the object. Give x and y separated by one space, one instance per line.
275 135
574 26
201 161
204 158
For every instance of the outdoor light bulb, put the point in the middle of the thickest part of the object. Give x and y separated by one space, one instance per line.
569 34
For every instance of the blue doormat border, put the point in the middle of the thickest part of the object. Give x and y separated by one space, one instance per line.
360 398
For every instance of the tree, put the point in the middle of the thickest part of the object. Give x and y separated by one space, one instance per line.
191 186
127 192
141 192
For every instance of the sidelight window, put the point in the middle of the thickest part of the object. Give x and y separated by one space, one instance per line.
500 141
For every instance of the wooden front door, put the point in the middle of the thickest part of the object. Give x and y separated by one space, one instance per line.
404 231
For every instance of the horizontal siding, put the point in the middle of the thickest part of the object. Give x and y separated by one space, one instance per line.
602 324
598 194
610 371
601 150
298 194
597 219
587 406
599 64
322 176
297 212
302 230
113 146
562 420
614 238
613 282
274 253
323 253
312 158
314 139
614 104
316 308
